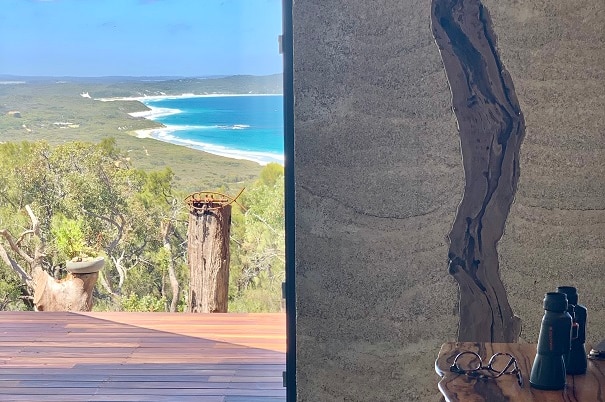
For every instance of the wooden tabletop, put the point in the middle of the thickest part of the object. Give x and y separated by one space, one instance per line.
589 387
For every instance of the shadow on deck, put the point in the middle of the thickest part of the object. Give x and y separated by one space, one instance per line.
48 356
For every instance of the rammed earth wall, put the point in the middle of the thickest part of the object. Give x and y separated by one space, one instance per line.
379 178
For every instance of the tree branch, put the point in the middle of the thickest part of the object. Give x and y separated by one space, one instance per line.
22 236
113 222
14 265
15 246
105 283
35 222
39 251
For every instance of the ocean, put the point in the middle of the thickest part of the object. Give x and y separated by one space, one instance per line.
242 127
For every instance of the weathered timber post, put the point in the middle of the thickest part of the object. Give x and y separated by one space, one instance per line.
491 128
208 254
73 293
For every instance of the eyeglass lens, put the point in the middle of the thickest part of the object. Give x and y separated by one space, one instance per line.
470 363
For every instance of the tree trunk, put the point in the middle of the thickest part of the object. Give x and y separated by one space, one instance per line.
208 255
74 293
174 283
491 128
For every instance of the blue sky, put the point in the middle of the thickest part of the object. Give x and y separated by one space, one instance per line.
89 38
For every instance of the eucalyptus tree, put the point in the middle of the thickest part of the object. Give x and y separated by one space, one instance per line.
258 242
86 199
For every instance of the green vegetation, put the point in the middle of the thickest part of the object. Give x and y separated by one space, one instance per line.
90 201
98 190
258 245
146 303
40 105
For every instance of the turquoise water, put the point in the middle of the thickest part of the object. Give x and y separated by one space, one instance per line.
242 127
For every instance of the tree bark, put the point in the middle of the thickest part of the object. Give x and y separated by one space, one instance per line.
174 283
74 293
491 128
208 255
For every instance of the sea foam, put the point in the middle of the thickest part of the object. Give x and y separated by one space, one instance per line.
170 132
167 135
155 112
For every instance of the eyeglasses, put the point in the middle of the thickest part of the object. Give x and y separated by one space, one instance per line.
496 366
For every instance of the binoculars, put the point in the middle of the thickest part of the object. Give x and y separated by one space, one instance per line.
561 347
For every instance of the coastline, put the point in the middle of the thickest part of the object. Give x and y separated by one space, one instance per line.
165 133
184 95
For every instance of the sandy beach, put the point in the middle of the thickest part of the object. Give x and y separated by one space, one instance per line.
147 133
166 133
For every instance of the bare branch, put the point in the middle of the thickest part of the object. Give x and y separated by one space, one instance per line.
35 221
22 236
117 262
118 225
15 247
14 265
105 283
39 252
166 226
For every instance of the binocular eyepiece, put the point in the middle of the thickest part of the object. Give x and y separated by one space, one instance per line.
576 361
561 347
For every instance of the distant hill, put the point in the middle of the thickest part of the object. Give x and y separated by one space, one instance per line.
106 87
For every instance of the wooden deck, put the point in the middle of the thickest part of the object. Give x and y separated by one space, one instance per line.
63 357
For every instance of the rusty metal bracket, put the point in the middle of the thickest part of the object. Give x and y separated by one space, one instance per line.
205 201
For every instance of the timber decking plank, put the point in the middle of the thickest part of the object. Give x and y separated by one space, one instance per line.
141 398
196 368
141 356
132 385
144 377
39 393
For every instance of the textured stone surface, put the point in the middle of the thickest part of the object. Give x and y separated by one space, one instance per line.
379 177
555 234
